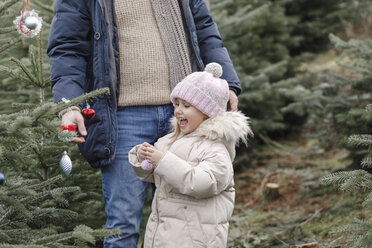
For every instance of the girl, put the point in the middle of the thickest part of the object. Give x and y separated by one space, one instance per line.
192 166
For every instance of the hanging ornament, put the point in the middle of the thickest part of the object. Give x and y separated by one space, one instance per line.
146 165
2 178
65 164
28 23
88 113
31 22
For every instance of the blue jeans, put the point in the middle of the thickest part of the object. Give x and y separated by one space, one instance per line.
123 192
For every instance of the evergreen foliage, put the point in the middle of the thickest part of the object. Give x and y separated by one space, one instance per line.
318 18
358 55
267 41
36 202
30 148
345 94
14 45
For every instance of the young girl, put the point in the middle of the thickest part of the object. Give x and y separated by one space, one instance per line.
192 166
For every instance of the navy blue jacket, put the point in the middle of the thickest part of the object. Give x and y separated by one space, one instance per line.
84 56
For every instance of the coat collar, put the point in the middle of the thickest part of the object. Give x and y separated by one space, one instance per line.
228 127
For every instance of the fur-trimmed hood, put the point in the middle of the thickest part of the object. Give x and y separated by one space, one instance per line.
228 127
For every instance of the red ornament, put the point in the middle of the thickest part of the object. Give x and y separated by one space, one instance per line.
70 128
88 113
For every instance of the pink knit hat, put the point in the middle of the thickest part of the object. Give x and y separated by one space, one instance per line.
204 90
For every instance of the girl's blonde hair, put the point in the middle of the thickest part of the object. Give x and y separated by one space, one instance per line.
175 135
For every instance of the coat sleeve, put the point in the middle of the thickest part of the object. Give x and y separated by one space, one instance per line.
144 175
210 177
69 48
210 43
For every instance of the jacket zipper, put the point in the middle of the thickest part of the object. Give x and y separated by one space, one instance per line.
109 117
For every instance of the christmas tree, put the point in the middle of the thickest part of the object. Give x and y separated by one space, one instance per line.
35 199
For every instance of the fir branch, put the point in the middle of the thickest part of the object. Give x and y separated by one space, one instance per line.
349 180
47 183
367 203
53 213
34 65
4 236
7 30
361 140
15 74
81 233
84 233
336 178
356 226
369 108
14 207
57 192
25 70
50 125
48 8
24 106
41 78
358 179
367 162
5 5
9 44
8 212
37 197
358 241
20 123
52 239
21 246
76 101
21 191
41 111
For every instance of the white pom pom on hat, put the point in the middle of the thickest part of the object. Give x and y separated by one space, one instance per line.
204 90
215 69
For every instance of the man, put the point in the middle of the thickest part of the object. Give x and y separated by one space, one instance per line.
140 49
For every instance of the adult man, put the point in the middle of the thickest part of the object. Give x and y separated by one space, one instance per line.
140 49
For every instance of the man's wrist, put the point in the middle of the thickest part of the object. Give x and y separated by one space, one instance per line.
64 111
69 109
234 90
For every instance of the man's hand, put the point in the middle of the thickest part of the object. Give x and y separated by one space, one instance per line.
75 118
233 101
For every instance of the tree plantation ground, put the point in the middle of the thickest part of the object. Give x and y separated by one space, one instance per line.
305 211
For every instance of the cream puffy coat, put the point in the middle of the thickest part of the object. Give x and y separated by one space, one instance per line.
194 196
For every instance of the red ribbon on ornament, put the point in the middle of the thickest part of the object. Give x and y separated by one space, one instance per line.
27 9
70 128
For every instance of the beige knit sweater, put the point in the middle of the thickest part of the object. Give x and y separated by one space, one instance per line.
146 75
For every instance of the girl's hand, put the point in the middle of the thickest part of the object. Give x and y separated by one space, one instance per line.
141 153
154 155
